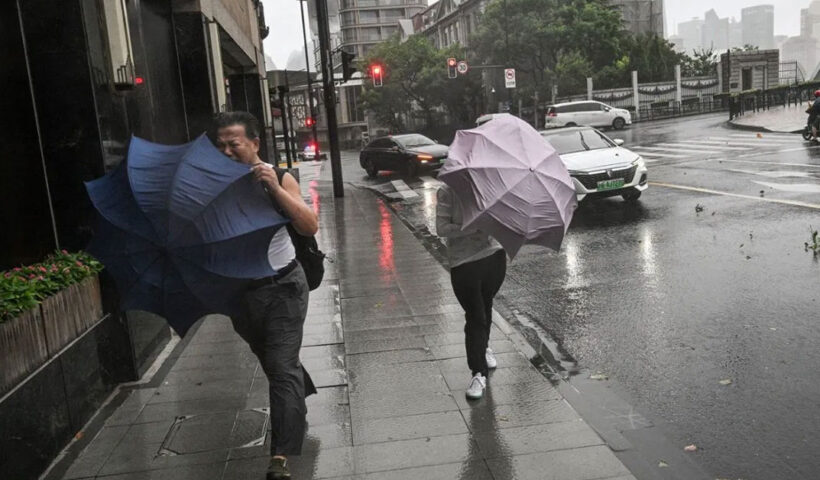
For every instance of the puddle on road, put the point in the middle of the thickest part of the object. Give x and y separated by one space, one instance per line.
792 187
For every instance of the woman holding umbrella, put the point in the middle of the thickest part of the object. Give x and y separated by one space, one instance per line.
478 266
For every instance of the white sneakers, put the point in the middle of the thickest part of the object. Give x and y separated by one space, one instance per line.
490 357
477 386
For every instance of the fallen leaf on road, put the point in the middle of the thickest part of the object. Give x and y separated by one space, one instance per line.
690 448
726 381
759 135
741 245
79 435
503 418
748 257
379 305
599 376
663 464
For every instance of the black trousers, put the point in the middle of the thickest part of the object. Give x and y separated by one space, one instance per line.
272 322
475 285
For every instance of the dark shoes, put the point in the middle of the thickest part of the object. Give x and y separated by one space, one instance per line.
278 469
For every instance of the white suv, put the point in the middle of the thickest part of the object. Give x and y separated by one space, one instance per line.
590 113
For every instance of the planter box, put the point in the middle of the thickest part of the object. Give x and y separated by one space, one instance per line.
22 348
27 341
70 312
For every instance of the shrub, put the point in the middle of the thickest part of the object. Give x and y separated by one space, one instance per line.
23 288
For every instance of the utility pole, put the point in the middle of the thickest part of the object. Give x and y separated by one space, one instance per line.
284 109
329 91
293 142
310 111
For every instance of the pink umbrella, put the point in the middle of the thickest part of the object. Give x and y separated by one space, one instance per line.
510 183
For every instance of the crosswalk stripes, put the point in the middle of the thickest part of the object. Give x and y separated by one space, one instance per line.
674 149
402 190
696 147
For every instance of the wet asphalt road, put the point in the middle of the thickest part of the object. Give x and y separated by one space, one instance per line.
704 281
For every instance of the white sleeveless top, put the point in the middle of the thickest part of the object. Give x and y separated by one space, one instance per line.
281 251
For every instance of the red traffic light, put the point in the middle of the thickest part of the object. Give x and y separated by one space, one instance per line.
377 69
451 62
377 73
309 122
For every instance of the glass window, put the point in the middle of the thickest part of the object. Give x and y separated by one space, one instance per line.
355 111
387 32
349 34
348 18
392 14
348 4
369 33
577 141
369 16
410 141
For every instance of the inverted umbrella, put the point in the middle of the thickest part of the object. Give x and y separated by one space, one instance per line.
510 183
182 229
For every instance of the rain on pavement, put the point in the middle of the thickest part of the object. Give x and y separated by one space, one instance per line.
700 302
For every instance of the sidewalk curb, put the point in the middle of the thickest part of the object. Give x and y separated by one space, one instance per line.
755 128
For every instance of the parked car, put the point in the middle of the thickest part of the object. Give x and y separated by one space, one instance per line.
598 165
487 117
309 153
408 153
590 113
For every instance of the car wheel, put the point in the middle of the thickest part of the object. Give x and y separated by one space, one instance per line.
631 196
571 124
618 123
370 168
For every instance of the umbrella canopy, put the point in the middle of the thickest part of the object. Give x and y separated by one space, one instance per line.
182 230
510 183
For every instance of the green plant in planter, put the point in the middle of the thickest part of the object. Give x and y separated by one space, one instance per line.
23 288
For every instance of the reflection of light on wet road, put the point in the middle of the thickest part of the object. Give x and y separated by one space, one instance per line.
428 199
315 201
792 187
647 252
574 267
386 261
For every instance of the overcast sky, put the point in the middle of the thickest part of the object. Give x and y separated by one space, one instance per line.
286 35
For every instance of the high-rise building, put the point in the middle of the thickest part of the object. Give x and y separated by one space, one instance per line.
715 33
810 20
642 16
365 23
690 33
735 33
758 26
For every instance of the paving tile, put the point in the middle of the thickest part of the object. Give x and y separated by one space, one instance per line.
374 377
395 404
210 390
211 471
409 427
207 361
507 442
366 346
578 464
328 396
382 333
389 357
315 364
507 394
158 412
138 457
328 463
328 414
475 469
92 458
496 377
221 373
534 412
322 351
154 432
416 453
327 338
389 306
441 352
353 325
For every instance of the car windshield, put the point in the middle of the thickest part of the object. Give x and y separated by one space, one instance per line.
573 141
411 141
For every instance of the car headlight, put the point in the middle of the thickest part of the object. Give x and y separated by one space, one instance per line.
574 173
638 162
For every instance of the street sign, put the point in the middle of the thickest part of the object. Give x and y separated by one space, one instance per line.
462 67
509 77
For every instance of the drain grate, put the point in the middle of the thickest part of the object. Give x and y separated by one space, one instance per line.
216 431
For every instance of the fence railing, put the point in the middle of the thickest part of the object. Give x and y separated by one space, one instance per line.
757 100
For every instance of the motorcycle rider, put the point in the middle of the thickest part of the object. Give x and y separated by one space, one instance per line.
814 116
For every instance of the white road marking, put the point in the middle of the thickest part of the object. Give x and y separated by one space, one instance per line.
793 203
776 174
769 152
770 137
658 155
705 147
755 162
792 187
403 190
430 181
735 143
678 150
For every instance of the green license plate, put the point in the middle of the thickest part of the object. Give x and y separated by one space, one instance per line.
610 184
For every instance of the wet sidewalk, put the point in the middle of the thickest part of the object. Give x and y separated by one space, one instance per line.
789 119
384 342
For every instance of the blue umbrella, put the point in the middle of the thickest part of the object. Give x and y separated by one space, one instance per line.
183 229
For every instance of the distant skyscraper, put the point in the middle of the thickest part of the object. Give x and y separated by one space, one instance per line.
715 33
735 33
642 16
810 20
758 26
690 33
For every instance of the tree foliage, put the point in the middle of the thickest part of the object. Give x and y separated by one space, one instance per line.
416 83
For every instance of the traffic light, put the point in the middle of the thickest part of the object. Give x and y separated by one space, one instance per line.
451 68
309 122
348 68
377 72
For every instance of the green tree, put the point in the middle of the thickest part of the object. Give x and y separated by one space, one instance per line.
416 82
701 63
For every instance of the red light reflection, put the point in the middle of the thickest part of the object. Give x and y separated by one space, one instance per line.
386 261
315 201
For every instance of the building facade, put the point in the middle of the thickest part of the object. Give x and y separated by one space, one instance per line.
449 22
642 16
690 34
758 26
365 23
715 32
742 71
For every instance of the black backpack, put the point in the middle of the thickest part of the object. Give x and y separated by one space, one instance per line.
307 249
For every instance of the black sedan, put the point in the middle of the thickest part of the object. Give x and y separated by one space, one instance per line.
405 153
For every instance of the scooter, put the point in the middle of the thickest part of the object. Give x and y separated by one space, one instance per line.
807 131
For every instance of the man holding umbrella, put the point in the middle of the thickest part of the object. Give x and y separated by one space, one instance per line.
274 308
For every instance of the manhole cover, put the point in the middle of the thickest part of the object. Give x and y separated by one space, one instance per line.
216 431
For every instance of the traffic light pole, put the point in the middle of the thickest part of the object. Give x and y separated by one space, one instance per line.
284 109
310 111
329 91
